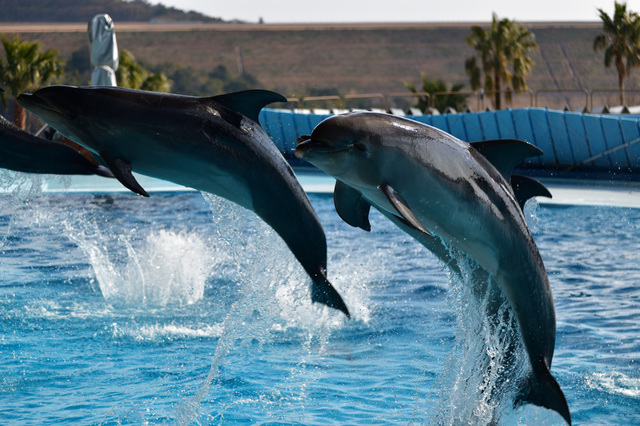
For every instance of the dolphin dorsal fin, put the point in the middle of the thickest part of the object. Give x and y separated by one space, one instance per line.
525 187
402 208
351 206
505 154
248 102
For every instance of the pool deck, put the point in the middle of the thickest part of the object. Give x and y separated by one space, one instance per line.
565 191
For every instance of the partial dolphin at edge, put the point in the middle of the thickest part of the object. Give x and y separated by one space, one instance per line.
21 151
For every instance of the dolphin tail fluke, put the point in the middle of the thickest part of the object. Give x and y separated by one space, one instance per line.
544 391
323 292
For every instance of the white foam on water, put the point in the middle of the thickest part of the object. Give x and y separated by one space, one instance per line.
615 383
162 332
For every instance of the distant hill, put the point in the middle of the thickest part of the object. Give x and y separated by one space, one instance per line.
83 10
300 60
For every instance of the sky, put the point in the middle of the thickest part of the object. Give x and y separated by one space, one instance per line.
301 11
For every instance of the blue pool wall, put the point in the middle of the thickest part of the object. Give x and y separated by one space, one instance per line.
566 138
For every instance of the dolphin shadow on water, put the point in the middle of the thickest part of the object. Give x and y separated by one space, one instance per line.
21 151
453 197
214 144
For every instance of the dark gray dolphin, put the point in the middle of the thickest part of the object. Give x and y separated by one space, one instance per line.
211 144
449 195
23 152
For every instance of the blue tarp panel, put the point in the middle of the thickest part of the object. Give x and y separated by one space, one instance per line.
289 131
593 127
456 126
613 138
270 121
631 133
577 137
440 121
489 126
302 123
560 139
524 132
473 128
424 119
505 124
542 136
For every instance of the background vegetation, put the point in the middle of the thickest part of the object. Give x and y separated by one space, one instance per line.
304 60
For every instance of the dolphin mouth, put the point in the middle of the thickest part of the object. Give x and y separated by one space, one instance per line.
316 146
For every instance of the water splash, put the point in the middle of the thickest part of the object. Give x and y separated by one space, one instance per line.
531 214
274 295
20 189
164 268
488 362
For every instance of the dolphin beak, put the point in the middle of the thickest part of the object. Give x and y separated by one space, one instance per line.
304 143
28 100
39 104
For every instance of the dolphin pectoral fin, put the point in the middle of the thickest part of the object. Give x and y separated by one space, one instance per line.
351 206
402 208
121 169
103 171
505 154
544 391
249 102
323 292
525 187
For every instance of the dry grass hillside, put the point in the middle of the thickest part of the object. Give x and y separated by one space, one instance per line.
352 58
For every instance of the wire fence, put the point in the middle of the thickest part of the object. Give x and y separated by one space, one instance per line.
578 100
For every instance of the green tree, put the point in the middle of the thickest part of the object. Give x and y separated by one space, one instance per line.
620 41
442 100
134 76
25 69
503 52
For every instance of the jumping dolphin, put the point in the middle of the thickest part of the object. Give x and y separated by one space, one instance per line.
436 187
23 152
211 144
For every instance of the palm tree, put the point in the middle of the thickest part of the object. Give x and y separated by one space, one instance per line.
503 50
26 69
620 41
447 97
134 76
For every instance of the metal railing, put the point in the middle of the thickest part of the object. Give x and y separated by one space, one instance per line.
563 99
560 91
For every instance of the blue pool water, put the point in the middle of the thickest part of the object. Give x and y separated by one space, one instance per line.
182 308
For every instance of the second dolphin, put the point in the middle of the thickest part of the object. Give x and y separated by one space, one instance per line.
211 144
